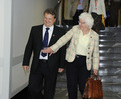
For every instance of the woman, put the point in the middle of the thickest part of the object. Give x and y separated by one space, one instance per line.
97 9
82 54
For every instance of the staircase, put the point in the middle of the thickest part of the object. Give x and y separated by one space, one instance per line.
110 61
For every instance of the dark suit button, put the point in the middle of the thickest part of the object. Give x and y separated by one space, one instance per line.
88 58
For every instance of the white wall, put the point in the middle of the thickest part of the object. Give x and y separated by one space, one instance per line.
1 28
1 42
25 14
1 77
4 60
6 49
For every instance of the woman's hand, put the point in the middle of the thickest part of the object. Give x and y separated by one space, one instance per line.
104 18
95 72
48 50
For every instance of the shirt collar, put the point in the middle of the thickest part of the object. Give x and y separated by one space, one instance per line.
50 28
88 33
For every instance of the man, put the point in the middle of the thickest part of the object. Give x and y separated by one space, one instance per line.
114 13
78 6
44 68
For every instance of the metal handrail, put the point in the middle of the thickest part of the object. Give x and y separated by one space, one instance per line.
57 5
57 9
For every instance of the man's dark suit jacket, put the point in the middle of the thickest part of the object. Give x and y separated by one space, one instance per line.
34 45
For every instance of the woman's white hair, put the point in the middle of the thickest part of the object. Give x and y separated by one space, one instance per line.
87 18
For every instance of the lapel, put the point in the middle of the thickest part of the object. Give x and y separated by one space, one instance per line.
91 39
77 35
40 36
52 40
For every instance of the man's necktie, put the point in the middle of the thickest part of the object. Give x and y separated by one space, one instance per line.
45 41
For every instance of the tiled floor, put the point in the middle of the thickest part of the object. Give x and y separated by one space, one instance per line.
62 94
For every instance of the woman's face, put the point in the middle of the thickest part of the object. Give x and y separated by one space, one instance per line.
83 24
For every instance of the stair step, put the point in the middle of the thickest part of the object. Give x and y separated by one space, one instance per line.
109 49
110 45
110 62
62 84
108 74
110 30
102 40
114 51
106 38
110 71
112 57
111 84
106 53
109 66
113 44
111 95
111 87
62 77
111 79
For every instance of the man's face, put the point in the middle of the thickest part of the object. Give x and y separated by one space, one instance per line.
49 19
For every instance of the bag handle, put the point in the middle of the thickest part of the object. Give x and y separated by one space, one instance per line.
95 76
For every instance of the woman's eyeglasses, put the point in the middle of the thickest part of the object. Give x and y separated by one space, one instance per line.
81 22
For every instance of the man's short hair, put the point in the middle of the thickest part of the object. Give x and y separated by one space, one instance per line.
50 11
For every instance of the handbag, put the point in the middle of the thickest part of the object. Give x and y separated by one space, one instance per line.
98 21
103 20
93 88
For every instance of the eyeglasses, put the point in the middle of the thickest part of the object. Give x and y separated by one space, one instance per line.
81 22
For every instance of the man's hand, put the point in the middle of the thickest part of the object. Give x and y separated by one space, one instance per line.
60 70
25 68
